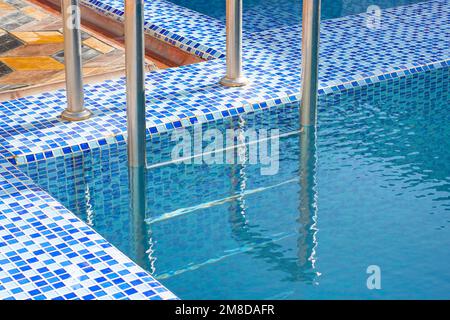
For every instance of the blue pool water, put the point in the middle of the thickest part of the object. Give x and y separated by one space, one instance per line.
273 13
373 188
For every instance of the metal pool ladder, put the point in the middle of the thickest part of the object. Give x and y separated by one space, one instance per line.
135 63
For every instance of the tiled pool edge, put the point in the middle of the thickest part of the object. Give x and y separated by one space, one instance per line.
49 253
233 110
162 33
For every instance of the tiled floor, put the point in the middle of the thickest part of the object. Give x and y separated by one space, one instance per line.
351 55
31 48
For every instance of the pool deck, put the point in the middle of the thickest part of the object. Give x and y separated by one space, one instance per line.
39 237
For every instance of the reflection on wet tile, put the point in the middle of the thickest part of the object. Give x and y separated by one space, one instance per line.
39 37
32 63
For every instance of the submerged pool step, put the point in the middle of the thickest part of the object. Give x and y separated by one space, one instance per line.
184 211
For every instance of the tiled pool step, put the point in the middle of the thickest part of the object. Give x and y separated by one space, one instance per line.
102 173
204 36
409 39
46 252
186 29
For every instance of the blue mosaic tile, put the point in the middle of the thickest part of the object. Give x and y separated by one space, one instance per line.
48 253
203 35
189 30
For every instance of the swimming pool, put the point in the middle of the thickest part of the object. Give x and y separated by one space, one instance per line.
269 14
372 188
